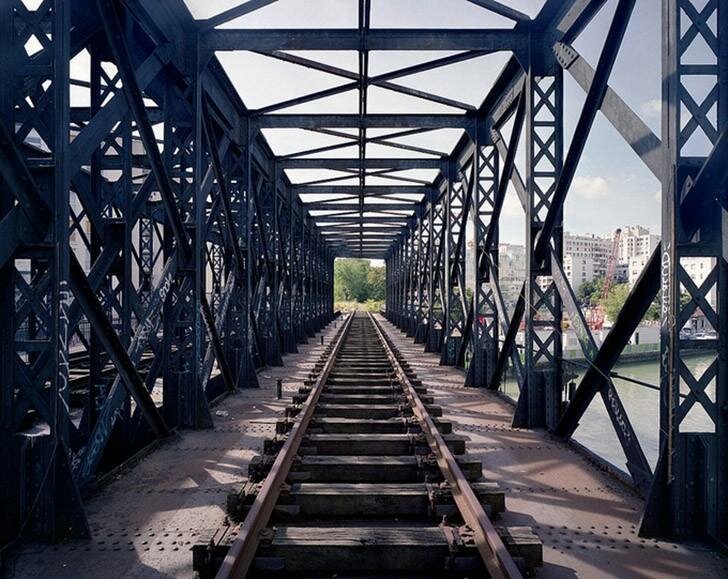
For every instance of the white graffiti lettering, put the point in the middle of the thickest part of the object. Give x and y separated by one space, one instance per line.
63 364
617 412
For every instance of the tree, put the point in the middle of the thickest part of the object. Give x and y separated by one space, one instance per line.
377 282
351 279
614 302
654 311
590 291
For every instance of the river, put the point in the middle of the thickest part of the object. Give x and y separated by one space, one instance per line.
642 406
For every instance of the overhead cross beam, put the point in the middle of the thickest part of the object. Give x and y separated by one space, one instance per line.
355 189
501 9
371 121
485 40
234 12
369 163
382 80
328 206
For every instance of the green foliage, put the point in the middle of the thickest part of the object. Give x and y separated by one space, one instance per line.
369 306
355 280
373 305
615 300
377 281
350 279
590 291
653 312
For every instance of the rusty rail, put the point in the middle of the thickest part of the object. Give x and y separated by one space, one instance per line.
496 557
242 551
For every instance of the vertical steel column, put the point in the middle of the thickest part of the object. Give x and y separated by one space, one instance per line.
484 329
10 511
184 402
392 286
317 278
405 266
271 203
216 270
284 259
402 281
198 210
252 272
146 257
413 282
389 291
416 281
290 269
330 284
406 278
456 208
688 497
122 293
428 281
437 270
97 383
395 285
41 498
298 274
541 397
405 269
423 271
239 344
307 275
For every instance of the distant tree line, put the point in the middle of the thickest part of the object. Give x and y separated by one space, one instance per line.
355 280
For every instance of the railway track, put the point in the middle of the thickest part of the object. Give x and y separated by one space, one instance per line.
364 479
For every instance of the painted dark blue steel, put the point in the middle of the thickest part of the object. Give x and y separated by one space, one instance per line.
192 249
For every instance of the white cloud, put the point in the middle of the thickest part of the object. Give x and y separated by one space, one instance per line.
652 108
512 206
658 195
590 188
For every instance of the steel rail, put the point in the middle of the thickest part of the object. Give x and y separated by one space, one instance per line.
242 552
496 557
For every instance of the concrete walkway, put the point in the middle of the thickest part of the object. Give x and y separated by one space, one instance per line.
586 518
145 522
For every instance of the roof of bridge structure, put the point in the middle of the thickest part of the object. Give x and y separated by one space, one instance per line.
363 101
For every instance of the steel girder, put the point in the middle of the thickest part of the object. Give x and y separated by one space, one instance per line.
479 350
35 278
183 271
132 284
458 198
436 291
539 403
423 275
489 40
687 498
531 91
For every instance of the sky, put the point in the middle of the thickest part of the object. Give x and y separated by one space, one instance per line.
612 187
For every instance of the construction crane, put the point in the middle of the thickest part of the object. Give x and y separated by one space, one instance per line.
598 314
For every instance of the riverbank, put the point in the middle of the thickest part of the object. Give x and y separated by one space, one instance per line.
650 353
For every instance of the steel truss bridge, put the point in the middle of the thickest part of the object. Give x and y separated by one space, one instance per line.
156 223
